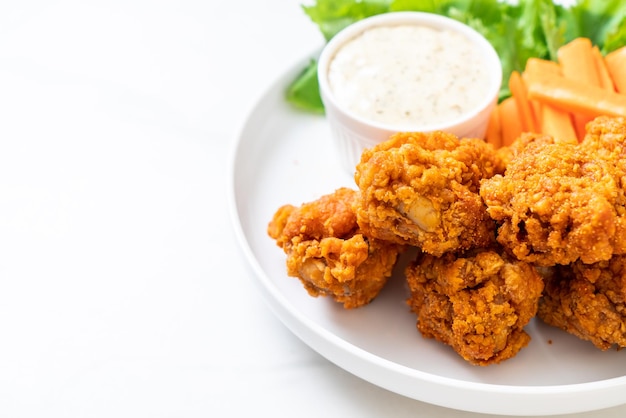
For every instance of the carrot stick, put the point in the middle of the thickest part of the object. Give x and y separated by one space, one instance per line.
518 90
537 111
510 121
576 97
578 64
616 64
494 128
557 123
603 72
542 66
537 66
552 121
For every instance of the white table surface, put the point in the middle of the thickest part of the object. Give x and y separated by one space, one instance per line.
123 292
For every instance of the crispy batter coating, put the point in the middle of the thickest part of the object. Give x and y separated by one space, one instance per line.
327 251
477 303
606 139
421 189
557 203
559 209
508 153
588 301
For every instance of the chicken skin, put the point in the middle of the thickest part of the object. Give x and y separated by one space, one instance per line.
557 203
588 301
477 303
328 252
606 140
606 137
421 189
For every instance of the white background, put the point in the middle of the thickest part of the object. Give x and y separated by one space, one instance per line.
122 290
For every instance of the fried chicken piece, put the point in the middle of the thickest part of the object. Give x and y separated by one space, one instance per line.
327 251
421 189
477 303
556 203
508 153
588 301
606 139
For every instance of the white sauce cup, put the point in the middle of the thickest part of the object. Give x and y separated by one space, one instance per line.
353 133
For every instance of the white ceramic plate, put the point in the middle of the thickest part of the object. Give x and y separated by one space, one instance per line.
284 156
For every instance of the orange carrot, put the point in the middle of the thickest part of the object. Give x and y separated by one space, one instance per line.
603 72
578 64
616 64
552 121
510 121
494 129
537 111
557 123
518 90
538 66
541 66
575 97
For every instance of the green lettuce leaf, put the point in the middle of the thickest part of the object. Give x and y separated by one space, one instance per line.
616 38
596 20
331 16
304 91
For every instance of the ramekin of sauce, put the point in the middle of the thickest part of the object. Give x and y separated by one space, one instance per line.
406 72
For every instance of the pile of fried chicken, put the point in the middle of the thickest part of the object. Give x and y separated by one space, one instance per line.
536 229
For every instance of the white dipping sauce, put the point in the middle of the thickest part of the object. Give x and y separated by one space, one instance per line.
408 75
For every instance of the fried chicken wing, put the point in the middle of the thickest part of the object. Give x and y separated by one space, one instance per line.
588 301
327 251
421 189
606 140
477 303
557 203
606 137
508 153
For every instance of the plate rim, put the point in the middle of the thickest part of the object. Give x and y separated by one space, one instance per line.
307 330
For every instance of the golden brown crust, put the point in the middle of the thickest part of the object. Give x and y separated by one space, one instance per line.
588 301
559 208
606 139
556 203
477 303
421 189
328 253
